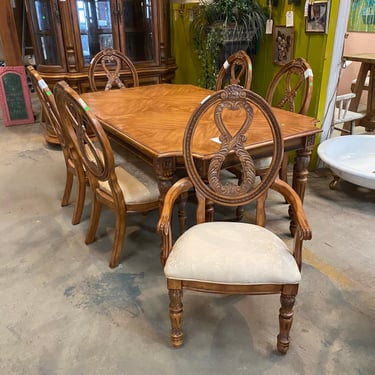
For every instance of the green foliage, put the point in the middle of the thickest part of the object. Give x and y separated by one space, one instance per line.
219 22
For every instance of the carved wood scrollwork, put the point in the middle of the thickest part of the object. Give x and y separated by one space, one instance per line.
232 143
165 169
113 76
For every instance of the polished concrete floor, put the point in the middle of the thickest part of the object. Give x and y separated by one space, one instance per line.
64 311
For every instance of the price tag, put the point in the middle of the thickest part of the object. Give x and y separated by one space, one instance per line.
269 25
289 18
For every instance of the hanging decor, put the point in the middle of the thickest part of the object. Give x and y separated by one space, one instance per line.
317 17
283 44
362 16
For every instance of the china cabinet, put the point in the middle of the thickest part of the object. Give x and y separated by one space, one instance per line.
66 35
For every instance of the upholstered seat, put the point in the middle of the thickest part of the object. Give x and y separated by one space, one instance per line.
243 254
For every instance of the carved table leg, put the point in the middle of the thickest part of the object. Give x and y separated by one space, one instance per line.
165 169
300 173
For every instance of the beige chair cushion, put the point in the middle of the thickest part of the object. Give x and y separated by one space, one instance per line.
136 178
137 187
231 253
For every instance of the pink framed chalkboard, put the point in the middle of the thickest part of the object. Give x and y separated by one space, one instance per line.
15 99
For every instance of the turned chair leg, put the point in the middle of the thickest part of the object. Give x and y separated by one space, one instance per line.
67 189
94 220
285 322
175 312
118 241
80 201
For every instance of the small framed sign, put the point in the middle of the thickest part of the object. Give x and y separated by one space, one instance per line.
15 99
317 17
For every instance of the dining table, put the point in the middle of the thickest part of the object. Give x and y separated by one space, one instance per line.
364 81
150 122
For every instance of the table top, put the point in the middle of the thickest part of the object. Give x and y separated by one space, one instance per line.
153 118
361 57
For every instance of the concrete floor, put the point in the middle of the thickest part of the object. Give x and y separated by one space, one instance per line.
63 311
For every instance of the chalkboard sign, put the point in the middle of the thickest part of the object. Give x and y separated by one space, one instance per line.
14 96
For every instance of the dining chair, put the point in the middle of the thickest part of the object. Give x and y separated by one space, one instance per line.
126 188
115 67
342 114
237 69
230 257
290 89
73 163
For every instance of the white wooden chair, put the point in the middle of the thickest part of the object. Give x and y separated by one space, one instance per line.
342 114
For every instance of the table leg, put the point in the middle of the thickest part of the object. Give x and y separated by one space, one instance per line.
165 169
367 121
359 85
300 173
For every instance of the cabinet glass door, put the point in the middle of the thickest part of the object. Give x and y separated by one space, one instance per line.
43 18
137 26
95 25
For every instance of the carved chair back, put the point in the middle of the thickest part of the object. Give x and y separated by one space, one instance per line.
232 110
292 87
236 70
122 188
116 68
72 160
96 152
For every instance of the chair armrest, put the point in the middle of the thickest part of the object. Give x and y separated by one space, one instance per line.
350 95
303 231
294 200
164 227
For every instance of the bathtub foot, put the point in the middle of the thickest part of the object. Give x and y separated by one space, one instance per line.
333 183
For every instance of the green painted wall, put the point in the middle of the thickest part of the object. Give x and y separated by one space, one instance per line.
182 44
315 48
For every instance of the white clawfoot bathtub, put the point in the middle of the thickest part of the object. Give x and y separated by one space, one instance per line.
350 157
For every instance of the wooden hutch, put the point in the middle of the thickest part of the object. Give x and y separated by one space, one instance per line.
66 34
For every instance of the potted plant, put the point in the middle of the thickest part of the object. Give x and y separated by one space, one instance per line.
220 27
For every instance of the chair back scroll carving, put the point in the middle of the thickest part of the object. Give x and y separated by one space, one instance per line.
236 70
292 86
233 111
113 64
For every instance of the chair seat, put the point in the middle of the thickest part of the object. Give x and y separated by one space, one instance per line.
349 116
137 185
225 253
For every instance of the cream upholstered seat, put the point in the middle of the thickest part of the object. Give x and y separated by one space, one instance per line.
225 256
274 263
128 187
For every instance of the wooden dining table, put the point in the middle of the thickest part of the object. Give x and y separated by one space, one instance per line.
150 121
